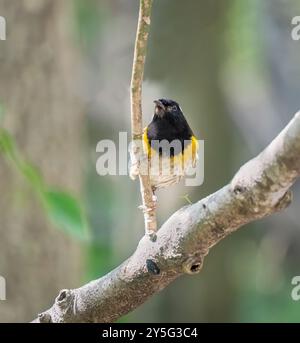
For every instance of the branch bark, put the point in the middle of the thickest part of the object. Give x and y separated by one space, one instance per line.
138 159
259 188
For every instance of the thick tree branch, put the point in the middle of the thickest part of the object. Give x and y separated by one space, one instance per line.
139 160
259 188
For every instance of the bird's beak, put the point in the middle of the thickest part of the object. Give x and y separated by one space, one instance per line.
159 108
159 104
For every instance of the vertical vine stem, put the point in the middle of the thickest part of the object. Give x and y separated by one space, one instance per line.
139 162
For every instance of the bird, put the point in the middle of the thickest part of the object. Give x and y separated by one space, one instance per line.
170 145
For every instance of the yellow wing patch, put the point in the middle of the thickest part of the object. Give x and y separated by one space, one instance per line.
190 152
146 144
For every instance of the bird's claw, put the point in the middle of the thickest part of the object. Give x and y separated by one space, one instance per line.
147 209
134 171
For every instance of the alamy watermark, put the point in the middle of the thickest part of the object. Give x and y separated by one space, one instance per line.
114 159
2 288
296 29
295 294
2 28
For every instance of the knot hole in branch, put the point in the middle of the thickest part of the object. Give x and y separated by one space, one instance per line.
192 265
284 201
237 190
152 267
63 299
44 317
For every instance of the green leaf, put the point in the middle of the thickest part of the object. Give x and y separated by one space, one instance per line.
65 212
28 170
32 174
62 208
6 143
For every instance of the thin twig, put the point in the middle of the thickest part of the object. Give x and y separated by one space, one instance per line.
259 188
137 155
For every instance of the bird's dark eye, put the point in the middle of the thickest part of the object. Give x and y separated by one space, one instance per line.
172 108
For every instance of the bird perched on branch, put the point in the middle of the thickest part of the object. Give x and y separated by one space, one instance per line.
170 145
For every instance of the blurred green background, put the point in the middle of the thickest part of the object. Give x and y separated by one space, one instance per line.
65 72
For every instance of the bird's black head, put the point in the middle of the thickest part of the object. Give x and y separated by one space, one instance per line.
168 123
165 107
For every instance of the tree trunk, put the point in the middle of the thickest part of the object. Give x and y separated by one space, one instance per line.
36 71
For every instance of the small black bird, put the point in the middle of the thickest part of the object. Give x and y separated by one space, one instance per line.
170 144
